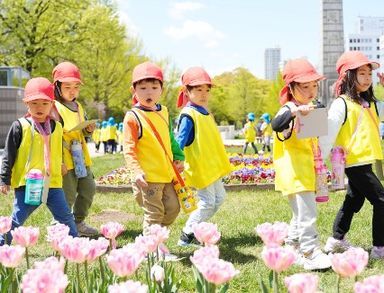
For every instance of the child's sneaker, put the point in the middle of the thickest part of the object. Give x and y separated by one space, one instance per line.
377 252
188 239
85 230
316 260
336 246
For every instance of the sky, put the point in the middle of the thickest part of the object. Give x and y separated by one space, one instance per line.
221 35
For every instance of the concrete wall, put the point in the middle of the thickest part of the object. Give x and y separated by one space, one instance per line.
11 108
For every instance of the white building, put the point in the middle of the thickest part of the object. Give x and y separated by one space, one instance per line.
272 58
370 30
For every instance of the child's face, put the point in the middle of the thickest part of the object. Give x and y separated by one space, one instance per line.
148 92
39 109
70 90
364 78
199 95
306 92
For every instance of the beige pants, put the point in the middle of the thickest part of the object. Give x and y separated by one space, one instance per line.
159 202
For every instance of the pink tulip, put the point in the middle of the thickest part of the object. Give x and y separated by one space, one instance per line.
218 271
46 277
349 263
204 255
25 236
56 234
97 248
5 224
160 233
75 249
128 287
111 230
11 256
148 243
272 234
372 284
157 273
125 261
206 233
302 283
278 258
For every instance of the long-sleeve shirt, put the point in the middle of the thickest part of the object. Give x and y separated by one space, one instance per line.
132 133
12 144
186 130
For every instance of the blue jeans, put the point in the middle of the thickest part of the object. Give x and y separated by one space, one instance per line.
56 203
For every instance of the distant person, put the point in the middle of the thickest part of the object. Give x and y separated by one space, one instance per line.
266 130
249 131
294 162
34 144
111 133
205 156
79 188
353 125
104 136
96 136
150 148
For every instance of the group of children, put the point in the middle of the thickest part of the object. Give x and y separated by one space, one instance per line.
155 154
353 120
110 134
43 141
261 130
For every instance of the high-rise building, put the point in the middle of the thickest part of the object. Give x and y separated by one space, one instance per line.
367 39
332 44
272 58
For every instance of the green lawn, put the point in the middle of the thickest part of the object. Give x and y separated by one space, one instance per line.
236 220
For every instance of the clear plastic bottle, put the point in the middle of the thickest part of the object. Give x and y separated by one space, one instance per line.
34 184
78 159
321 180
338 167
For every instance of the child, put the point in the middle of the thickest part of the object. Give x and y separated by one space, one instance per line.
35 142
205 156
104 135
79 191
96 136
266 130
111 135
294 162
149 158
120 137
353 124
249 131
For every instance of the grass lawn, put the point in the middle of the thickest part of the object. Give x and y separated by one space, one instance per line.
236 220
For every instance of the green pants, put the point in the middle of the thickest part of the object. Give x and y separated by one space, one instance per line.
79 193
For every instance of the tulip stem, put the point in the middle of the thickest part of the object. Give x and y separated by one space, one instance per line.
274 283
86 275
338 283
78 277
27 257
102 270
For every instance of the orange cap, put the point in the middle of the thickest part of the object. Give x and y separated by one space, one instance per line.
298 70
66 72
147 70
38 88
351 60
194 76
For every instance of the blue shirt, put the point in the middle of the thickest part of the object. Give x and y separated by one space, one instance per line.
185 130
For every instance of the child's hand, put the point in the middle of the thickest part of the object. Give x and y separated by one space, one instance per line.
381 78
64 170
305 109
90 128
179 165
140 180
4 189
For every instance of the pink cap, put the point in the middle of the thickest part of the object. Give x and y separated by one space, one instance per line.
66 72
147 70
38 88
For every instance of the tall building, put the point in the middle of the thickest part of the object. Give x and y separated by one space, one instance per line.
367 39
332 44
272 58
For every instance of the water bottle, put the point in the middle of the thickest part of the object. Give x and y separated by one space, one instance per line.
34 187
338 165
78 159
321 180
186 196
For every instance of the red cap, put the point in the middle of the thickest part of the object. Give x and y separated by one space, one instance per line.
298 70
38 88
351 60
194 76
66 72
147 70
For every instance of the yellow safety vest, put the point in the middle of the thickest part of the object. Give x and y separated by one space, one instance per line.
37 156
205 158
250 131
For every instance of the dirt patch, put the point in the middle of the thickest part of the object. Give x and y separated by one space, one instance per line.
113 216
